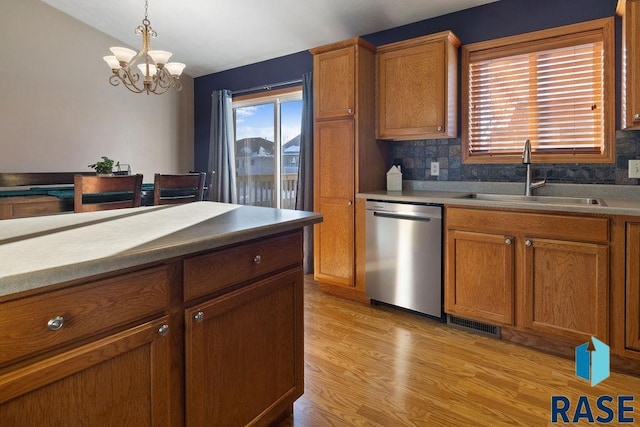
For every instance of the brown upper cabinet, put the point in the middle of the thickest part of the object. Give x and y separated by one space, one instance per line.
417 88
630 12
334 70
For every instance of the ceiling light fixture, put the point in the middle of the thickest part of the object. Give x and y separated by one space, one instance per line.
158 75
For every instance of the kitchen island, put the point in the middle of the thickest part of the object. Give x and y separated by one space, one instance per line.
152 316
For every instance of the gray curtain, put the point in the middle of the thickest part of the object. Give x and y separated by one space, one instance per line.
222 158
304 188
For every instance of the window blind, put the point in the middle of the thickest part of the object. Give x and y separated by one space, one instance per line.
551 89
554 98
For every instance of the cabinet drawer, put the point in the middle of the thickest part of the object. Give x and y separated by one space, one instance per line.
551 226
214 271
83 311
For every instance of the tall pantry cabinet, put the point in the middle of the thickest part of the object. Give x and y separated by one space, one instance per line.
347 159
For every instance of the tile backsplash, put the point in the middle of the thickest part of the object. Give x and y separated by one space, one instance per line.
415 157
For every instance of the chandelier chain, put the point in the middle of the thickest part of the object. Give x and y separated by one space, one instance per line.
146 21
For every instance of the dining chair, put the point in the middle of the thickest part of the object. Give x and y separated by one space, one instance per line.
98 193
178 188
207 193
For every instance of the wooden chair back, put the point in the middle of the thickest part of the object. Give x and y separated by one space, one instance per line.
98 193
178 188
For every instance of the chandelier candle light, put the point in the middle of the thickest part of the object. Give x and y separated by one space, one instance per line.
158 75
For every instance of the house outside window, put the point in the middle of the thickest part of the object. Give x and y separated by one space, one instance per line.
267 147
555 87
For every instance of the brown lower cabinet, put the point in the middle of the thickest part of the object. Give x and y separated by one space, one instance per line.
632 339
213 338
566 288
122 380
538 272
480 276
241 353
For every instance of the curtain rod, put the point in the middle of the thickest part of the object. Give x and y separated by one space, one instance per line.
267 87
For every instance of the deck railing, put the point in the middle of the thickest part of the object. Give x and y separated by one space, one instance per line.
259 190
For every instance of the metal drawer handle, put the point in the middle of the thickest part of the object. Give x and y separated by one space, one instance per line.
163 330
257 259
528 243
55 323
507 241
199 316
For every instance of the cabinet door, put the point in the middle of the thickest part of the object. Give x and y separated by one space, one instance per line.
566 289
411 91
334 83
120 380
633 287
335 243
244 354
335 193
334 159
480 276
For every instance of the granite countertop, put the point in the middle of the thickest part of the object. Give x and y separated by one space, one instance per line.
41 251
613 199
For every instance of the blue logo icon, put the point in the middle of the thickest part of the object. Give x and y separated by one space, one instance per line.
592 364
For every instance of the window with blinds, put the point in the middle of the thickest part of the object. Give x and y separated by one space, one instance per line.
553 87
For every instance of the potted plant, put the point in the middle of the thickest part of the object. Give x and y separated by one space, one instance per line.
104 166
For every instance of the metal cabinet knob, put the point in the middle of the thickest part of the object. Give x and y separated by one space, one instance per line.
439 128
257 259
636 116
507 241
199 316
528 243
350 110
349 203
163 330
55 323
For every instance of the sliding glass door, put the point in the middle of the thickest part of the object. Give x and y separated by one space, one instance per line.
267 148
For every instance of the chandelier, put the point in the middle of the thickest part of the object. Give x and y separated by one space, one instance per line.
157 75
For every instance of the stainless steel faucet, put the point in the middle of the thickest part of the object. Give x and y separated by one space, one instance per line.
526 160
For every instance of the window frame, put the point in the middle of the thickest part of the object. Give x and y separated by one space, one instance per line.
277 97
540 41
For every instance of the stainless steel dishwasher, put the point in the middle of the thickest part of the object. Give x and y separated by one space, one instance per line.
404 255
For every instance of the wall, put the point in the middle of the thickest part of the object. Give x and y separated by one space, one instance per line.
494 20
284 69
58 111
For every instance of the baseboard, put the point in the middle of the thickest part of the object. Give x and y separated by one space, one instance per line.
561 348
344 292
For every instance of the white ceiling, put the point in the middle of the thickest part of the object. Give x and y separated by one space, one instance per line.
216 35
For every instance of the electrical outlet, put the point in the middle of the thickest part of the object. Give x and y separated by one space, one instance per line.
435 168
634 168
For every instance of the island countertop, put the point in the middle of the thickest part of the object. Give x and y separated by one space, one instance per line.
41 251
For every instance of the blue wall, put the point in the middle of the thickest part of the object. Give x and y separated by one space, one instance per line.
494 20
283 69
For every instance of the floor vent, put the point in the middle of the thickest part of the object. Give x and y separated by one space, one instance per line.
473 325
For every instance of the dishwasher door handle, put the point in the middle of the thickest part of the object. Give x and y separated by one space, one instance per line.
401 216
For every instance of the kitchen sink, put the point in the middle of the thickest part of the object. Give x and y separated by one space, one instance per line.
551 200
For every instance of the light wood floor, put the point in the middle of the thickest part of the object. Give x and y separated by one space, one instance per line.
380 366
